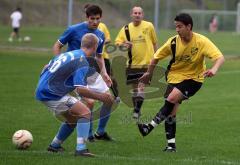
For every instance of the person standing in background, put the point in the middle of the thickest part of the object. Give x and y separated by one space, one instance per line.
16 17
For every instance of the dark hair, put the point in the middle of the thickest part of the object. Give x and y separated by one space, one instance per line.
93 10
86 6
18 9
185 18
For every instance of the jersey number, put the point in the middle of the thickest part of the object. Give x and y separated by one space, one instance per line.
61 59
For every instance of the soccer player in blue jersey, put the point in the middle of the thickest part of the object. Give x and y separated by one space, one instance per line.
72 36
74 70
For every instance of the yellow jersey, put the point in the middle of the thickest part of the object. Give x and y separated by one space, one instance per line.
105 30
189 59
143 37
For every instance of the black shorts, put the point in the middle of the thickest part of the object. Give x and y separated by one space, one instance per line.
133 74
16 30
187 87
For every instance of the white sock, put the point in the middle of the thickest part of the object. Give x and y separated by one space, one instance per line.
153 123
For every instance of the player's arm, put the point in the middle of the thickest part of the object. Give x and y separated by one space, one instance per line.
63 39
147 76
155 47
217 64
57 48
122 41
106 98
103 73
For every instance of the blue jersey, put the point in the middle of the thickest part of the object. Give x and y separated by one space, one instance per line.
62 75
73 36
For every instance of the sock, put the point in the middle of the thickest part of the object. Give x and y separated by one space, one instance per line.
91 126
138 104
170 129
171 143
104 117
83 126
64 131
164 112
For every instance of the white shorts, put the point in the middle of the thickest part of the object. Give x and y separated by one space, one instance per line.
60 106
97 84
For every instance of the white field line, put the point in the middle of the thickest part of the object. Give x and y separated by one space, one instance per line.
117 157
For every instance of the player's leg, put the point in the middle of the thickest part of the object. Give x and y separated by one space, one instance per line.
82 112
138 98
90 105
101 133
174 97
63 133
12 35
100 86
181 91
170 130
60 108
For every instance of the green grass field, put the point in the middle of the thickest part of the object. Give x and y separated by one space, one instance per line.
207 131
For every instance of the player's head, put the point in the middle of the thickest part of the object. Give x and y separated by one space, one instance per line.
93 14
137 15
18 9
89 43
183 24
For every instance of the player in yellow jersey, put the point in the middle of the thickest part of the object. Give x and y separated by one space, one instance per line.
185 74
140 38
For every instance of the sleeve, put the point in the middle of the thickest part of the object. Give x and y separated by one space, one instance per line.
153 34
66 36
79 77
101 44
106 32
163 51
121 37
211 51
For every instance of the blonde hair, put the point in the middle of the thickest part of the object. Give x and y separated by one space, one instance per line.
89 40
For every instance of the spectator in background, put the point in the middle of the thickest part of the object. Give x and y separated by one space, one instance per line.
213 25
16 17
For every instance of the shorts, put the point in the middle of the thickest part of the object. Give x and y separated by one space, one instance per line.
97 84
60 106
187 87
133 74
15 29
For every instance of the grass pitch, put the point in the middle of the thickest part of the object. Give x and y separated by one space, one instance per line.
207 124
207 129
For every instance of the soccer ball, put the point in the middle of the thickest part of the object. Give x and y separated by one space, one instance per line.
27 39
22 139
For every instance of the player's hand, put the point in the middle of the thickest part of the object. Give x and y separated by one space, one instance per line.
127 44
209 73
146 78
107 79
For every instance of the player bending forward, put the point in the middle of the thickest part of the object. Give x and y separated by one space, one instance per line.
74 70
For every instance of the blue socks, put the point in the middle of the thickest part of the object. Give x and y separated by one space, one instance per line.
83 126
104 117
64 131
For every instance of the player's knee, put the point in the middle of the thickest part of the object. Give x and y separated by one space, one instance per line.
90 103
